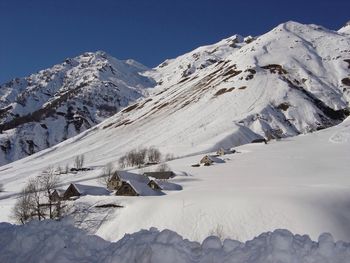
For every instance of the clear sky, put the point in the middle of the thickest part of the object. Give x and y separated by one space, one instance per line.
36 34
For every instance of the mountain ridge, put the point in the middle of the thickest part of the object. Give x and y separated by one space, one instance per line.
76 94
291 80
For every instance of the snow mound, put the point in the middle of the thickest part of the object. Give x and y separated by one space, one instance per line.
50 241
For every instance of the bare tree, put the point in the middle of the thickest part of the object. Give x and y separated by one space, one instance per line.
107 173
163 167
122 162
153 155
79 161
59 170
66 169
35 197
49 181
169 157
141 156
131 158
22 211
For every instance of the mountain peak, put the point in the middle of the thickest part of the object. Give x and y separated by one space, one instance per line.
57 103
345 29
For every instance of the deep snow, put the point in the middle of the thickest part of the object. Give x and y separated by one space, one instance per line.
298 183
57 242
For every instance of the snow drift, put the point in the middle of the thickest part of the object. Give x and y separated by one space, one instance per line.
50 241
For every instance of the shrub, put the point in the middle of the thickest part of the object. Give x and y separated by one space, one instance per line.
79 161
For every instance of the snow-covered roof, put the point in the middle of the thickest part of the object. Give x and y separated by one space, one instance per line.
160 175
167 186
91 190
143 188
128 176
60 192
213 159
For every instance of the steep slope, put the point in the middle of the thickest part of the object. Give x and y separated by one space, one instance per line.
288 81
52 105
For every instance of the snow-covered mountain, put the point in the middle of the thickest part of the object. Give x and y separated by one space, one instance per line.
291 80
52 105
345 29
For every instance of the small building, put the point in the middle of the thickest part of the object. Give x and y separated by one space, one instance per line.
137 188
114 182
223 151
119 176
207 160
72 191
127 189
56 195
76 190
154 185
164 185
160 175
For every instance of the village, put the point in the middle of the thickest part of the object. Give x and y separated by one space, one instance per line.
125 183
53 193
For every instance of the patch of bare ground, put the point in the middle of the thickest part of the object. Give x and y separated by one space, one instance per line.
275 68
223 91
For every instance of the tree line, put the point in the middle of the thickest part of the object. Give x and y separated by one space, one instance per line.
142 156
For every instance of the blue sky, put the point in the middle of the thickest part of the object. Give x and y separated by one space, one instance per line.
36 34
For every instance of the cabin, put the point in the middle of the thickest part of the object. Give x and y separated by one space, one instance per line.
72 191
56 195
164 185
127 189
207 160
160 175
118 177
154 185
223 151
114 182
76 190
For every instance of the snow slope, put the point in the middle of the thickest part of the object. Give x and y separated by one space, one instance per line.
286 82
291 80
345 29
300 183
54 104
57 242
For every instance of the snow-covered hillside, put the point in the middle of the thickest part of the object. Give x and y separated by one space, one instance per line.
300 184
52 105
57 242
289 81
292 80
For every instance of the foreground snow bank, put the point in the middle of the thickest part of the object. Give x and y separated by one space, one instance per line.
50 241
